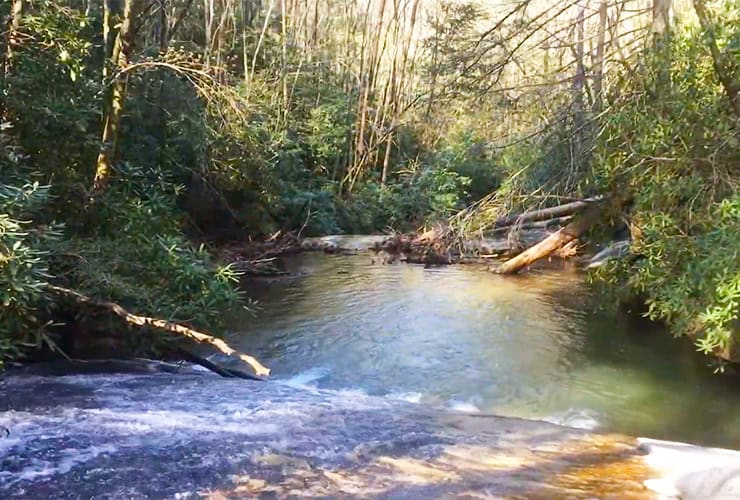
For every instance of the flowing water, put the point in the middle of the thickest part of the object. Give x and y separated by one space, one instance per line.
368 362
539 346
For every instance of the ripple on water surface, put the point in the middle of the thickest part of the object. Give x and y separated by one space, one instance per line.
537 346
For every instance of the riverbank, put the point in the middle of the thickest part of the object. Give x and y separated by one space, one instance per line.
431 247
192 435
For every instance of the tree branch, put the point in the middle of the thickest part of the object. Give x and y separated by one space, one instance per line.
161 324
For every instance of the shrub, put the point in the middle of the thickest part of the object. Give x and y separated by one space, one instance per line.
138 256
24 267
671 144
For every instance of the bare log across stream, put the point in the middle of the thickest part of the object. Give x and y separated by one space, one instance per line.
167 326
580 224
544 224
545 213
525 237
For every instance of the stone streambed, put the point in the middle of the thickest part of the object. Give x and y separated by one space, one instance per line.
146 433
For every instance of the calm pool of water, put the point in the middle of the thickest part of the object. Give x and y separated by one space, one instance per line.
537 346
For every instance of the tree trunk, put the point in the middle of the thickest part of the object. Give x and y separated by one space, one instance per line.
722 65
17 9
547 223
111 10
434 71
555 241
163 40
245 56
120 59
284 60
599 59
386 159
208 15
661 24
579 84
161 324
661 17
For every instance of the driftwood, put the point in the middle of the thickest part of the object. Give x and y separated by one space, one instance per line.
529 229
430 248
557 221
545 213
503 244
167 326
580 224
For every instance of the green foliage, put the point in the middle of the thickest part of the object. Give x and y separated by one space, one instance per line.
329 128
672 144
422 195
296 169
299 143
52 96
470 157
24 267
138 256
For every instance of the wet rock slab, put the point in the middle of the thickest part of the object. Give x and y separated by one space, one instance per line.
188 435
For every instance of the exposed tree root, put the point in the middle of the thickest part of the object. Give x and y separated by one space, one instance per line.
161 324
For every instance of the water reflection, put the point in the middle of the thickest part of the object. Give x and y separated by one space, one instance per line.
537 346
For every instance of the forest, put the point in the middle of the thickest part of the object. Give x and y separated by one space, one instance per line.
138 137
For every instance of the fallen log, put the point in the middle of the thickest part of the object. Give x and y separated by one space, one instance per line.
557 221
580 224
167 326
505 245
545 213
215 368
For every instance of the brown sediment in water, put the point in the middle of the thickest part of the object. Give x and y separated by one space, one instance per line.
602 467
518 459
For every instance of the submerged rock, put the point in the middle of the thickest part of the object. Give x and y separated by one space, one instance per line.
162 435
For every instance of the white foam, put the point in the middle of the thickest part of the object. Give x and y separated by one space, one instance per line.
70 458
7 443
463 406
306 378
145 421
576 418
409 397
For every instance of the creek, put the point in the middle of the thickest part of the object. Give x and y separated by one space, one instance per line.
542 345
385 379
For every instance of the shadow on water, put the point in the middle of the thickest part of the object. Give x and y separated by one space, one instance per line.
538 346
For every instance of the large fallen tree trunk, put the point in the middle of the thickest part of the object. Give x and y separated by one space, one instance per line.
545 213
167 326
580 224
